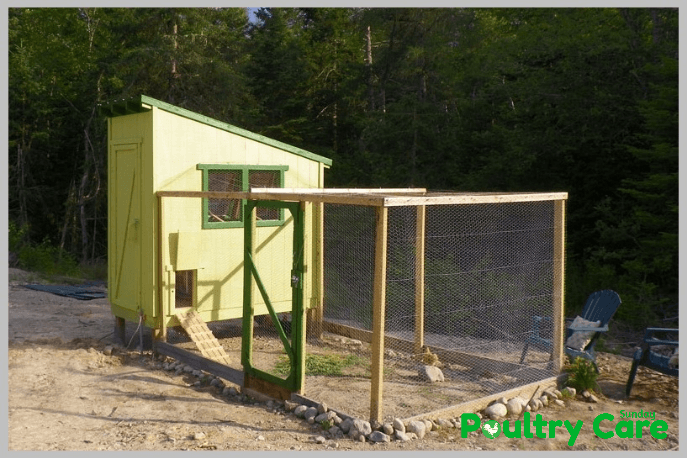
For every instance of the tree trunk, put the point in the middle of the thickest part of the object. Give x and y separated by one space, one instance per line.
413 150
174 75
83 197
68 215
368 62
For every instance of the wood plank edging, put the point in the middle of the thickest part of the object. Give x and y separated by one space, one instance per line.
479 404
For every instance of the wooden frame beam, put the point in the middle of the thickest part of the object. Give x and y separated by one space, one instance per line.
419 279
199 362
478 404
558 283
376 198
378 311
445 355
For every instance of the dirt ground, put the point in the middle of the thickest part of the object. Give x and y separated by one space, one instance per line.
66 393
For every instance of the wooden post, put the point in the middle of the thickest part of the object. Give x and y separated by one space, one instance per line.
297 301
120 330
558 283
248 286
379 305
316 314
419 279
319 241
160 331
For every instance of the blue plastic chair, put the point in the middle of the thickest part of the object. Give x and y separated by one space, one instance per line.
645 357
600 306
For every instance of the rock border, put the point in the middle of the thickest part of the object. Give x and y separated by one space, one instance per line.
336 425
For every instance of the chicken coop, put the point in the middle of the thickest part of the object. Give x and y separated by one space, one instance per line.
165 260
229 247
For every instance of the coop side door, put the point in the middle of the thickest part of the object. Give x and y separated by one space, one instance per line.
127 236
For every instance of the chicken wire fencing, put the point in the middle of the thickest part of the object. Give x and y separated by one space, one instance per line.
487 270
464 283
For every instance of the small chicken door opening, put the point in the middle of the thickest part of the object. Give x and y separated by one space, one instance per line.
184 291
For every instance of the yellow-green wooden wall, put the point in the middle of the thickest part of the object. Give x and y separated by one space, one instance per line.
170 147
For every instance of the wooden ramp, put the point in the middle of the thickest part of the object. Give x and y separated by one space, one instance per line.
199 332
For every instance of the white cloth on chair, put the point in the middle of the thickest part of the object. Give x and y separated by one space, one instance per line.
578 340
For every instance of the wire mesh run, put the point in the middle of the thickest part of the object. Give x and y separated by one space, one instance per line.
464 285
461 295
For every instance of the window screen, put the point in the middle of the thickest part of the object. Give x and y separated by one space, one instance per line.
226 213
221 210
265 179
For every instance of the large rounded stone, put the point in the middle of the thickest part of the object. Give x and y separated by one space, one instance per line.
514 406
327 416
443 423
535 404
401 436
431 373
398 425
362 426
496 410
418 428
346 425
310 412
300 410
378 436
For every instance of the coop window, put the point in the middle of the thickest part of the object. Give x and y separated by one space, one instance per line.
222 213
184 288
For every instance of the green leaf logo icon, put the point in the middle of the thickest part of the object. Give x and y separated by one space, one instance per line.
491 429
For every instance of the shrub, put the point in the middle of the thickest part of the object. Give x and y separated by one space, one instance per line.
582 375
47 259
17 236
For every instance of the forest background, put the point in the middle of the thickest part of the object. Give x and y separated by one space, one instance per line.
582 100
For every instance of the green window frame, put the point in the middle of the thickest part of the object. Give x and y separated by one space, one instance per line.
226 213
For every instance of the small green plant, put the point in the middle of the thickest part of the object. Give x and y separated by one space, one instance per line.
582 375
326 424
320 364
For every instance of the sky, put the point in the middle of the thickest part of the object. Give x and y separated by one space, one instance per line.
251 14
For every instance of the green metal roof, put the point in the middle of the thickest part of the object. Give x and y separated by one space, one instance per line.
142 103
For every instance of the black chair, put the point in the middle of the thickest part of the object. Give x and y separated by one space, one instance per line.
647 355
600 306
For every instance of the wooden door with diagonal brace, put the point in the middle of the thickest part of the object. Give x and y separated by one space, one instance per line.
294 345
